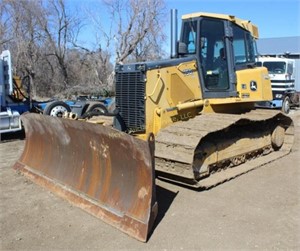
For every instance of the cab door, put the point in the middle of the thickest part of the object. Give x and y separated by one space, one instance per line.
216 59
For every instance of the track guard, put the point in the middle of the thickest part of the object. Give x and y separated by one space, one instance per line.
99 169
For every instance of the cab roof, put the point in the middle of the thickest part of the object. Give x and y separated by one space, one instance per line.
245 24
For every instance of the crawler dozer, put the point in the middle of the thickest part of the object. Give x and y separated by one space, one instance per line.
192 117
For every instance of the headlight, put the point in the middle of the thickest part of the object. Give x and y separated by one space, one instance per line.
119 67
15 122
278 95
140 67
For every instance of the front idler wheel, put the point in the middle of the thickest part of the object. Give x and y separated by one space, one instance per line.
277 137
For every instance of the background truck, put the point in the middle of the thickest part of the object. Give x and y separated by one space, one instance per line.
282 74
15 99
12 98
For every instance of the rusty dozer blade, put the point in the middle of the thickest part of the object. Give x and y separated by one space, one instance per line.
101 170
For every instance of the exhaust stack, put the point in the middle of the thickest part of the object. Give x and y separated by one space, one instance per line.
174 36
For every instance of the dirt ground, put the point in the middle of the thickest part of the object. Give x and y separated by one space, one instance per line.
256 211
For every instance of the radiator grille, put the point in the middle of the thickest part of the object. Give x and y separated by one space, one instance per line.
130 92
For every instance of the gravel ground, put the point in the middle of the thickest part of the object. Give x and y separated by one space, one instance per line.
256 211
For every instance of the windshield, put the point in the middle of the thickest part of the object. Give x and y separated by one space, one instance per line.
276 67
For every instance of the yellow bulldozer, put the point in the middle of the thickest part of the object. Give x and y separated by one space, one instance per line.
189 119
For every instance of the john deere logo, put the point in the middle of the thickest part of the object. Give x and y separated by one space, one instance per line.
253 86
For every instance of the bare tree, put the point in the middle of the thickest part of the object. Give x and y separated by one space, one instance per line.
5 17
90 71
23 34
58 28
135 26
133 32
42 36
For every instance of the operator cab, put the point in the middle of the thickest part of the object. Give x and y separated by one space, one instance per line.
221 47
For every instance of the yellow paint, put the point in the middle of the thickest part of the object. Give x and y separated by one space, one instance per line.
174 94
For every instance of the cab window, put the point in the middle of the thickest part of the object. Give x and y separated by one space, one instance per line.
290 69
189 36
243 46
